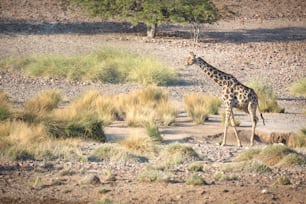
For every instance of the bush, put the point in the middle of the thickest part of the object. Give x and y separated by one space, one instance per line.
139 144
267 99
199 106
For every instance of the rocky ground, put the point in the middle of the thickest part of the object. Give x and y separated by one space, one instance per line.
266 42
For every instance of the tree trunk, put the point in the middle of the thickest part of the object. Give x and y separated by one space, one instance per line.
196 32
151 30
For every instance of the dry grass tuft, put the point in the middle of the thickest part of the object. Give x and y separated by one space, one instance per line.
38 106
298 88
5 106
139 144
267 99
22 141
199 106
147 106
177 153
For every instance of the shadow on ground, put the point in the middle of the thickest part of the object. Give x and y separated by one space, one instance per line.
246 35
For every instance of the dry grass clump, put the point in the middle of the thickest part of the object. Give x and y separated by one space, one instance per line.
272 155
23 141
253 166
177 153
5 106
195 180
139 144
301 138
267 99
148 105
150 174
114 153
84 118
199 106
39 106
298 88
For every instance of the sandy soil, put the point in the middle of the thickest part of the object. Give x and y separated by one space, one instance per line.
265 42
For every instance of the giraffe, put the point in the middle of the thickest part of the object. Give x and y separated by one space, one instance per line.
234 95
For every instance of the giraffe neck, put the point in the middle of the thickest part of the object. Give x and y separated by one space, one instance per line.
220 77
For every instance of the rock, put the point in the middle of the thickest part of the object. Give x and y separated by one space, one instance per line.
91 179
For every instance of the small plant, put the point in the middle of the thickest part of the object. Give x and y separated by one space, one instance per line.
195 180
153 131
223 177
195 167
139 144
199 106
176 153
247 166
299 88
152 175
248 155
267 99
282 180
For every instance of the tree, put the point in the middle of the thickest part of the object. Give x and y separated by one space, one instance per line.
154 12
194 12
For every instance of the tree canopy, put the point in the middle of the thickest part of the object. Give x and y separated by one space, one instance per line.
154 12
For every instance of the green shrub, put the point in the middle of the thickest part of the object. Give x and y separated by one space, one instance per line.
267 99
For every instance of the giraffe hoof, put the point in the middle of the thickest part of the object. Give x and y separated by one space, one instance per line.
222 144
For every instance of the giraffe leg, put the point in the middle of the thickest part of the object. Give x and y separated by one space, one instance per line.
254 119
227 117
235 130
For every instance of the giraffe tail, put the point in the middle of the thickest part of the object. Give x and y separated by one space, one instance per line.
263 120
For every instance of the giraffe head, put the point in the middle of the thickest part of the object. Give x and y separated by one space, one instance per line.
191 59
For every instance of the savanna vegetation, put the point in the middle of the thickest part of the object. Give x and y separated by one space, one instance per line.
105 65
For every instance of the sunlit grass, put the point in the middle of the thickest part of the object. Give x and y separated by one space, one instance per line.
105 65
147 106
199 106
5 106
22 141
266 96
40 105
298 88
139 144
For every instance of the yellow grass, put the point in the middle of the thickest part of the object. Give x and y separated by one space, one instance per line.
199 106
